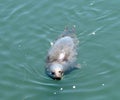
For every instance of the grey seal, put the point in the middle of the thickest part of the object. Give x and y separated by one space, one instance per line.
61 57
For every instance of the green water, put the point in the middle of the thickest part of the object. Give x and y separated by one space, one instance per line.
28 26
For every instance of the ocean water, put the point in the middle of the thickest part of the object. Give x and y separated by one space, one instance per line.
28 27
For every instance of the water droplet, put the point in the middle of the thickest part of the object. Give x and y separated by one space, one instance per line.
74 86
61 89
74 26
54 93
93 33
103 84
91 3
51 43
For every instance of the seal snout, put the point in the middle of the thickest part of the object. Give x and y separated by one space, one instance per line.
57 74
55 71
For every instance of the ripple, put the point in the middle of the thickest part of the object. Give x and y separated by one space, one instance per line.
27 28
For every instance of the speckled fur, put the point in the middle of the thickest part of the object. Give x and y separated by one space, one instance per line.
62 55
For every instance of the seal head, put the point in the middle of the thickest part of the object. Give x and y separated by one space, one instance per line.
55 71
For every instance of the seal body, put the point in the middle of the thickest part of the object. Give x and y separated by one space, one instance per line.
61 57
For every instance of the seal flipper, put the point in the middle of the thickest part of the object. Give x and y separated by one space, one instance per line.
78 66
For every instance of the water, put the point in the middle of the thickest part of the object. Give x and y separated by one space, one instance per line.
28 27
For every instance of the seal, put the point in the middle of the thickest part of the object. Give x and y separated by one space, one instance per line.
61 58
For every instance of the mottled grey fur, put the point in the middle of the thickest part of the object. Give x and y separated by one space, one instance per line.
61 57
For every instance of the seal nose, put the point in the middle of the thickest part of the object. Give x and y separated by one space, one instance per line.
58 75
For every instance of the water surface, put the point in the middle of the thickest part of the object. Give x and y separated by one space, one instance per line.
28 27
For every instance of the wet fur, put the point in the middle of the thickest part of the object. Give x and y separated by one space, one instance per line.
62 55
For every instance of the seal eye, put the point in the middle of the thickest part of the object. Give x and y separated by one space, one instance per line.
60 72
52 73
